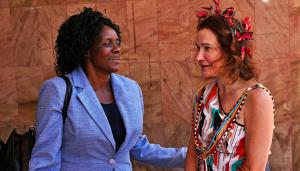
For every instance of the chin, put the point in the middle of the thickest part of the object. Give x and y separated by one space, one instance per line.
115 69
208 76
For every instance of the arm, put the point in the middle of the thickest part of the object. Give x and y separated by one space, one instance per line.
156 155
259 121
46 153
191 157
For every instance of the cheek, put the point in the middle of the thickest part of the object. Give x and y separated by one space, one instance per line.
218 66
99 58
104 52
209 58
102 56
214 59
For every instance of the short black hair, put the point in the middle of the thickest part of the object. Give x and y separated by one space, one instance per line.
76 36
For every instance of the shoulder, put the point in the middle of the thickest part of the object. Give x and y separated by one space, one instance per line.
260 95
55 86
121 78
259 102
52 92
125 82
54 83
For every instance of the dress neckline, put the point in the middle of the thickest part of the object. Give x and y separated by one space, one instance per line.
222 112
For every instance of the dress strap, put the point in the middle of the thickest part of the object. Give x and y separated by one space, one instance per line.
258 85
255 86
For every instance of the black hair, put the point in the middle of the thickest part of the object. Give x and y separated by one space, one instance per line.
76 36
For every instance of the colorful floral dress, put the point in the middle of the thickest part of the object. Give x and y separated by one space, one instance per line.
219 139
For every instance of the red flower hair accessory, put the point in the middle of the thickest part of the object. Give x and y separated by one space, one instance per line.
217 7
241 34
202 14
246 24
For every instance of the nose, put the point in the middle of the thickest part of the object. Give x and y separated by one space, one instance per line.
200 55
116 48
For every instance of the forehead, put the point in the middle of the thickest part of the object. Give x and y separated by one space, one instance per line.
206 36
108 33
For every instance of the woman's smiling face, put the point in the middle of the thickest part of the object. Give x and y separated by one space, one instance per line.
105 54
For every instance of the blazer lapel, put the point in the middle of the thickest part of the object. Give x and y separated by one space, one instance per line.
125 104
91 103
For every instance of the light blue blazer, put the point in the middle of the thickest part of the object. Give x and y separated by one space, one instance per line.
85 141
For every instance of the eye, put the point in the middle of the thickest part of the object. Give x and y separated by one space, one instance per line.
207 48
107 44
197 46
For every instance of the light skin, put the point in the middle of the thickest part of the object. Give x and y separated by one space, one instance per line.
256 115
103 58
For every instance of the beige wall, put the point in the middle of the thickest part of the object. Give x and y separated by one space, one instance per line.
158 40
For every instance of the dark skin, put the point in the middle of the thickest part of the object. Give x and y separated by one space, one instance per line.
102 60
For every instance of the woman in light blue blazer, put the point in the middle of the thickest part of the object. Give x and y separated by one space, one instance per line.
103 128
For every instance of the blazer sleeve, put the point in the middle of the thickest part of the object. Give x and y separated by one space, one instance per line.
154 154
46 153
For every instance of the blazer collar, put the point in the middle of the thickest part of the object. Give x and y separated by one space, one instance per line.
79 78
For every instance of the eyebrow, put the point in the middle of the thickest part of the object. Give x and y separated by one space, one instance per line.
204 44
209 44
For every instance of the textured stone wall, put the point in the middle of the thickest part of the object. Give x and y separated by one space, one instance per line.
158 45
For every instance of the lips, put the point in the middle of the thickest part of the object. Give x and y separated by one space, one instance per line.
205 65
114 58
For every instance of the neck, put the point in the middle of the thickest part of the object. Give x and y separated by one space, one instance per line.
226 86
98 79
229 88
222 86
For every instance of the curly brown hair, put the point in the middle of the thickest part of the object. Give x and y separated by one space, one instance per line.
238 68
